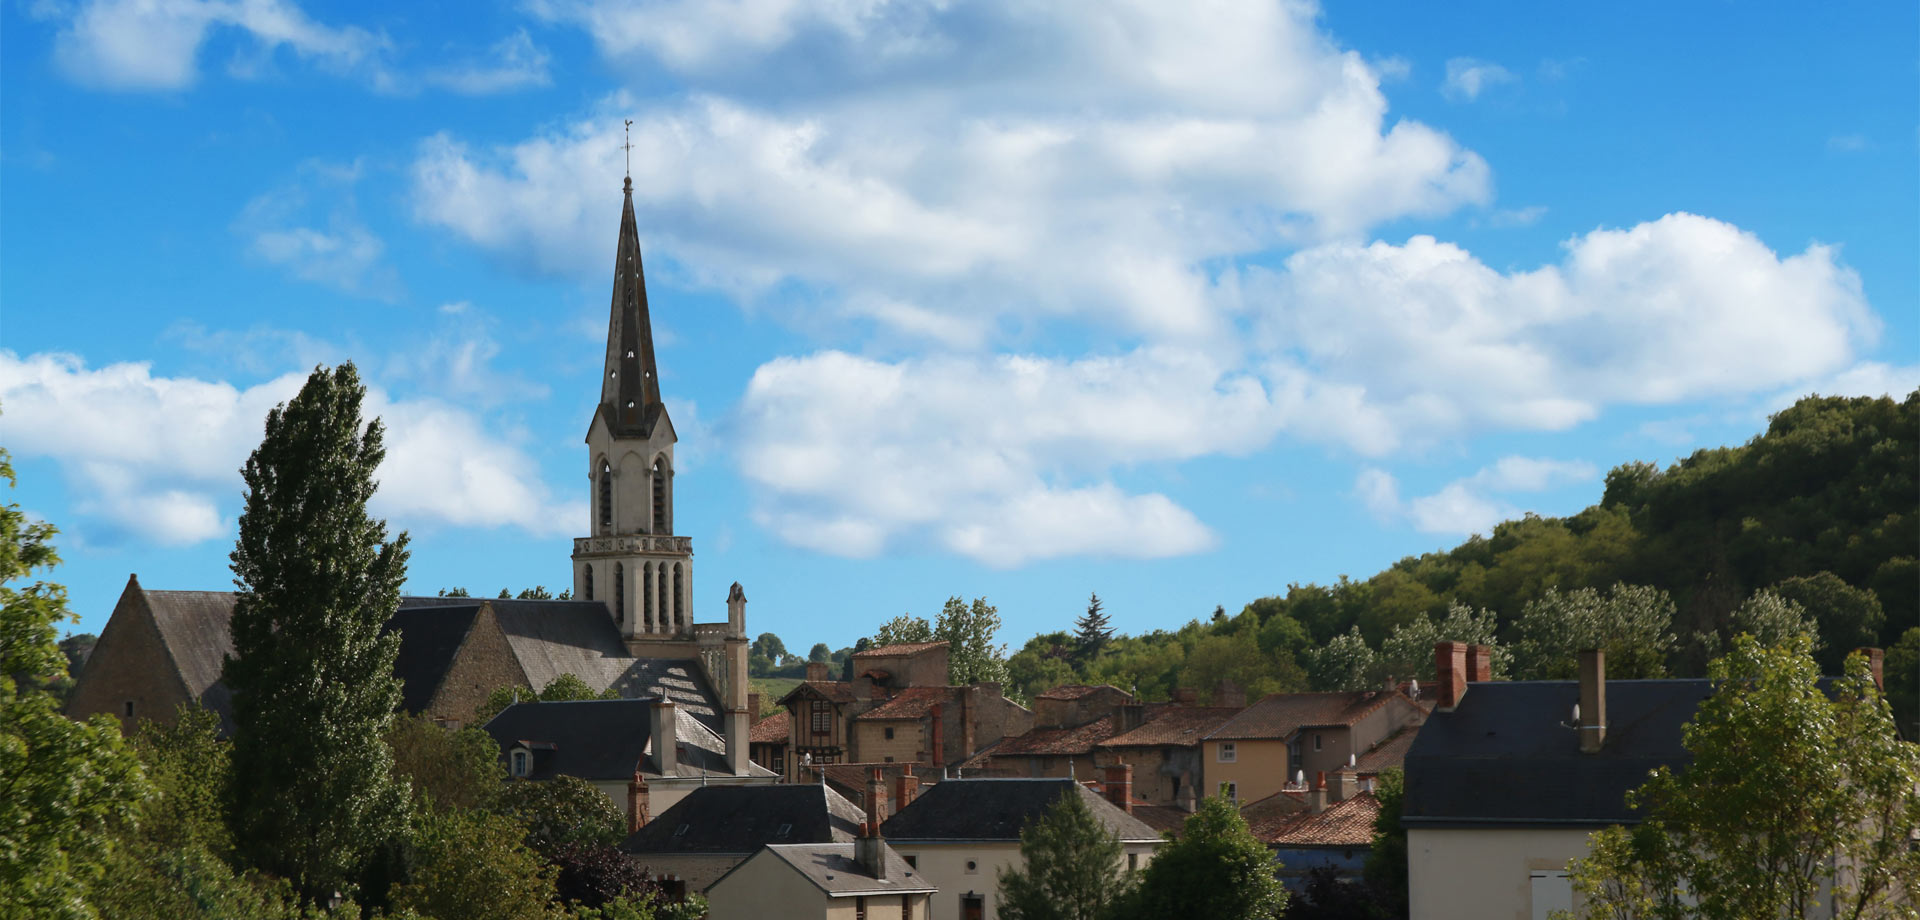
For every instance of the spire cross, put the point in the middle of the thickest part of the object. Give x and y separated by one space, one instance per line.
628 147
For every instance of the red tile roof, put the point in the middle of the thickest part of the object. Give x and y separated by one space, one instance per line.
1280 715
911 703
838 691
1163 818
1391 752
904 648
1055 741
1265 815
1183 726
1075 691
1343 824
774 729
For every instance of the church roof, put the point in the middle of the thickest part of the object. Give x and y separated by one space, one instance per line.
630 390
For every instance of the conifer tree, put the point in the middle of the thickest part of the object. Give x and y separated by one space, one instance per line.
311 673
1071 867
1092 631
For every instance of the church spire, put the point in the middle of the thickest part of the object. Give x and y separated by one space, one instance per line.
630 389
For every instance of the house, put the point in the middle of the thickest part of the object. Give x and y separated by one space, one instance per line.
961 832
712 829
1069 722
845 881
1164 750
1505 782
1252 755
644 754
768 740
1330 826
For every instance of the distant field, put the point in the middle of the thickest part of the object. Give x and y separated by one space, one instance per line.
772 689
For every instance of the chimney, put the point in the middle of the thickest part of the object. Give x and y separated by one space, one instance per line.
1345 783
1876 662
1593 700
1317 796
739 763
1228 693
876 799
1185 696
636 801
1120 786
966 721
753 709
906 788
736 612
819 670
1479 663
1450 664
939 733
666 737
870 851
1130 717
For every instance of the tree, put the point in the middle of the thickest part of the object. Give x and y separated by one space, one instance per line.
473 865
1788 781
903 629
1633 623
1386 869
820 652
1092 631
1216 869
561 812
770 645
1072 868
311 669
187 764
445 769
65 786
454 592
1902 668
969 631
1408 652
1769 618
1346 663
563 689
1848 617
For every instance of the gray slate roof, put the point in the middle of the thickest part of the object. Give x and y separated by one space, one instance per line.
430 634
606 739
830 867
1502 757
742 819
996 809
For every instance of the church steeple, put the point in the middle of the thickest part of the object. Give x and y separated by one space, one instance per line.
630 389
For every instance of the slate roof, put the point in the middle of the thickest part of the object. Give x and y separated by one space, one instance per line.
195 625
996 809
606 739
910 703
1343 824
429 637
742 819
774 729
1390 752
1075 691
830 867
897 650
1041 742
1278 716
1183 726
1503 758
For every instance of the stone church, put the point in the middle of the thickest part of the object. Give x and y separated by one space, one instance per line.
630 626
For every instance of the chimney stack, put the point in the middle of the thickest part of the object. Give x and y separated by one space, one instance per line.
939 733
1228 693
1131 716
1345 783
1593 700
1120 786
739 762
869 851
906 788
1876 662
1479 663
636 801
736 612
666 737
753 709
1317 796
1450 667
819 671
876 799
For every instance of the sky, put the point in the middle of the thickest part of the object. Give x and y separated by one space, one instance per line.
1179 303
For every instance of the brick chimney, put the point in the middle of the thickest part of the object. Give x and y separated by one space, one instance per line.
1120 786
1593 700
819 670
1479 663
1450 666
1228 693
876 798
1317 796
1185 696
1345 784
869 851
636 801
1876 662
666 737
906 788
938 731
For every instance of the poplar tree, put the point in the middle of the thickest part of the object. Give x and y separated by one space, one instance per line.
313 796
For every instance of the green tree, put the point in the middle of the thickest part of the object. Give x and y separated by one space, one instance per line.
972 656
1848 617
1071 867
1386 868
445 769
311 670
1236 657
1769 618
187 764
473 865
1787 782
563 689
770 645
1633 623
454 592
1408 652
1346 663
1092 631
1902 667
820 652
560 812
65 786
1216 869
903 629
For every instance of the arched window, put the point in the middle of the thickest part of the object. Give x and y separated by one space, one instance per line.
661 523
606 494
586 584
619 592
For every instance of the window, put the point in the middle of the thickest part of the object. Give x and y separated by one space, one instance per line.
822 717
661 523
860 908
972 867
619 592
519 763
1316 741
1551 890
779 764
129 709
906 907
1226 752
889 733
1133 862
606 495
1231 791
1293 752
587 583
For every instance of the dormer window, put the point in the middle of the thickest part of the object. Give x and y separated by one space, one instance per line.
520 763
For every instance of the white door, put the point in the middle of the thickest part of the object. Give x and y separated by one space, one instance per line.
1551 891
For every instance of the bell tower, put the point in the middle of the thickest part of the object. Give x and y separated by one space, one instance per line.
632 561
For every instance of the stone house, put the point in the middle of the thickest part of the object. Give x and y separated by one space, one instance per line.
1252 755
1164 750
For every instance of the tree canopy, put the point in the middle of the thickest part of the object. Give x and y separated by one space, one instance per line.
1071 867
1216 869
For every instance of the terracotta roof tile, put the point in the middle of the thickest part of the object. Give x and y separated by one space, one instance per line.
1391 752
1166 819
1343 824
1056 741
838 691
1280 715
904 648
774 729
1263 816
1075 691
911 703
1184 726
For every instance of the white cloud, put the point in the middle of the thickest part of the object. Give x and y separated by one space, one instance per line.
1387 343
156 457
155 44
1467 78
1867 378
329 245
513 63
1469 505
948 172
1517 217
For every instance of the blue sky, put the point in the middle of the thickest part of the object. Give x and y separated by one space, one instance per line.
1178 303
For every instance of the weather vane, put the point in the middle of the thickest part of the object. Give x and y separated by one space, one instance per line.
628 147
